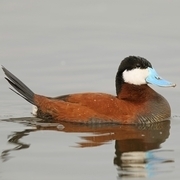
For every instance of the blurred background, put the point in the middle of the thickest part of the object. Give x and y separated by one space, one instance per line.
60 47
65 46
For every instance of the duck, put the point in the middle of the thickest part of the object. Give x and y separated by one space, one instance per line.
135 101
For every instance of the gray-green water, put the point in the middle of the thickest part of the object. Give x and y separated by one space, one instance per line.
60 47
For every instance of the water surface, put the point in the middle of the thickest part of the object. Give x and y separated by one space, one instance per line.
61 47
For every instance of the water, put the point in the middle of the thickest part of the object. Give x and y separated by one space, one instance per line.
61 47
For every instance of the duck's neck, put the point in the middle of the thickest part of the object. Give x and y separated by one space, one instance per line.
119 82
135 93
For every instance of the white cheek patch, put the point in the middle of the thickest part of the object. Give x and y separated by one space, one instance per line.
135 76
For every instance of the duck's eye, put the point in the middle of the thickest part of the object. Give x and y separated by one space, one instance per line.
138 65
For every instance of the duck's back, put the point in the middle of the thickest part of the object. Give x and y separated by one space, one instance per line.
141 105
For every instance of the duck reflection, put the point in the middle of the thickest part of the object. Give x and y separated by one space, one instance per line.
139 155
137 148
15 139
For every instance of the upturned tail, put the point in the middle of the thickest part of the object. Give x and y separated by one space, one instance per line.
21 89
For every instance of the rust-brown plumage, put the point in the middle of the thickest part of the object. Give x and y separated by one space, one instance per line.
133 104
104 108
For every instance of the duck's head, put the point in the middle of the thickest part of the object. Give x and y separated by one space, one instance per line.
138 71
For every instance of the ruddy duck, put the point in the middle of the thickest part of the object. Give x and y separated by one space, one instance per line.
135 102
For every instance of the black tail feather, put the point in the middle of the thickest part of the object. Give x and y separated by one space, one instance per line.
22 89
